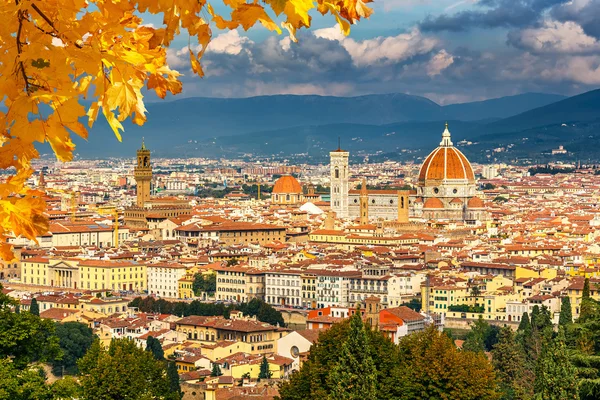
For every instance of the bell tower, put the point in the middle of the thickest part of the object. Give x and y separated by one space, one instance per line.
143 175
339 181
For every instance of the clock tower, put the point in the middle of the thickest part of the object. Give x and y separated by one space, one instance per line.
143 175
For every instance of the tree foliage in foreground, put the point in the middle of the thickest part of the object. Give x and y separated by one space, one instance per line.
75 339
425 365
123 372
25 337
58 52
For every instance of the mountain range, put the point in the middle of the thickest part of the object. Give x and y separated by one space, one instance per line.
394 125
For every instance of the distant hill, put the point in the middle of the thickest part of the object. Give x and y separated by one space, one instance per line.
581 108
502 107
213 127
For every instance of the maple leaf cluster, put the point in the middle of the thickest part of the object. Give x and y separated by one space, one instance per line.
54 53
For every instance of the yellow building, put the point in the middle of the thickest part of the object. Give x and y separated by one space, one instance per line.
113 275
575 292
239 364
186 287
223 349
84 274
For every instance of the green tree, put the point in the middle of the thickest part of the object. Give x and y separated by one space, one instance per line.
204 283
173 377
586 289
312 382
508 359
429 366
22 384
481 337
216 370
34 307
265 372
355 375
524 325
153 345
566 313
475 291
589 306
65 389
25 337
74 340
122 372
555 377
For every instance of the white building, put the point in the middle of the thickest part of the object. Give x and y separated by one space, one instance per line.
333 288
401 287
283 288
163 279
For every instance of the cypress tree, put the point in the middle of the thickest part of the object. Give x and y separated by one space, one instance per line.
34 308
173 378
555 375
216 370
265 372
566 314
354 376
508 359
153 345
588 306
524 324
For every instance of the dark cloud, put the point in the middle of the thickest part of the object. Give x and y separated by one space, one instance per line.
497 14
587 16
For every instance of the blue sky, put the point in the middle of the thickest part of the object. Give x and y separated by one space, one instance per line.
446 50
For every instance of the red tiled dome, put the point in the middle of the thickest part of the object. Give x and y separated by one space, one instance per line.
446 163
433 202
287 184
475 202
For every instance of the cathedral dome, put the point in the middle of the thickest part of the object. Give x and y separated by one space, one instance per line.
287 184
433 202
475 202
446 163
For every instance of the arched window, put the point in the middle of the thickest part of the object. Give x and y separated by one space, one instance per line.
337 173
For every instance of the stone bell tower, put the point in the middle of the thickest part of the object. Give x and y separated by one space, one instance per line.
143 175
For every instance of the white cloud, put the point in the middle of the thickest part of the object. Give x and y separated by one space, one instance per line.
178 58
439 62
556 37
381 50
228 43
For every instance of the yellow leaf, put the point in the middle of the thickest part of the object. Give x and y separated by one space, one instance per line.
248 14
196 67
115 125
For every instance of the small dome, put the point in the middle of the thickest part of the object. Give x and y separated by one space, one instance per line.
287 184
446 162
456 201
475 202
433 202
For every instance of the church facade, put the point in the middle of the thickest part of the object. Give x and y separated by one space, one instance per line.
446 190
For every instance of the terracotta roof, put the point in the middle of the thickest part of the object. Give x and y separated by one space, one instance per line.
475 202
446 163
287 184
433 202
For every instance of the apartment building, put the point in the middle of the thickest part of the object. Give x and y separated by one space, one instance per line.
283 288
163 278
